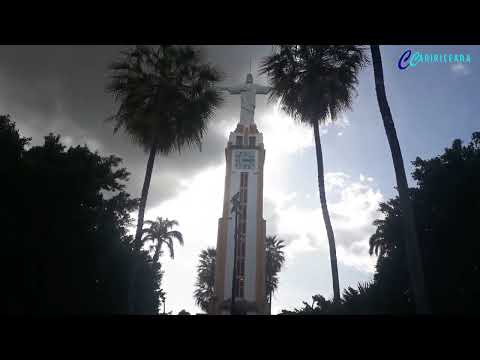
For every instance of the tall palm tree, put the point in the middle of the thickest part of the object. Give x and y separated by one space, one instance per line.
315 84
415 267
159 233
204 286
166 97
274 259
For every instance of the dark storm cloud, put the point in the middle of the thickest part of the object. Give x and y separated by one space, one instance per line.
62 89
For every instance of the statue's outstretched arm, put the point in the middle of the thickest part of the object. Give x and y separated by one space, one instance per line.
231 89
262 89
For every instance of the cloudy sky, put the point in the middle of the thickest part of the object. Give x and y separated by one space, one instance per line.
61 89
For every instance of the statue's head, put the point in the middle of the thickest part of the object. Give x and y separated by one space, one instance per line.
249 78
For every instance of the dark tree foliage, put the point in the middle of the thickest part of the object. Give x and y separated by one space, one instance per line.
446 204
320 306
204 286
65 248
274 259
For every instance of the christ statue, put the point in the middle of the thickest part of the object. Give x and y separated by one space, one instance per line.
248 92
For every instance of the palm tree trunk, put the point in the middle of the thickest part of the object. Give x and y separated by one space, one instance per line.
270 304
137 244
410 235
158 248
326 216
143 199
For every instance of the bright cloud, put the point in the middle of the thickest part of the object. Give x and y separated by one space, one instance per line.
352 216
335 180
307 268
341 122
283 134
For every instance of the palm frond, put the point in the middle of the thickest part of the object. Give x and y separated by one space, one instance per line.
314 82
159 232
166 96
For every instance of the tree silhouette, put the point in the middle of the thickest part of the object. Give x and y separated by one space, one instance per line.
167 96
162 295
414 262
66 248
320 306
315 83
274 259
446 204
159 233
204 285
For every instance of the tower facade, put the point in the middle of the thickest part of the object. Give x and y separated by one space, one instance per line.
245 157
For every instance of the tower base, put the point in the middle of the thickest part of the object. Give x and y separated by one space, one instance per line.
242 307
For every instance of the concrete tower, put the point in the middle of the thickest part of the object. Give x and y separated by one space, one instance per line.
245 157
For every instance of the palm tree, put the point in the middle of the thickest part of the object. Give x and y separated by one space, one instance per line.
159 233
315 84
415 267
166 96
274 259
204 286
